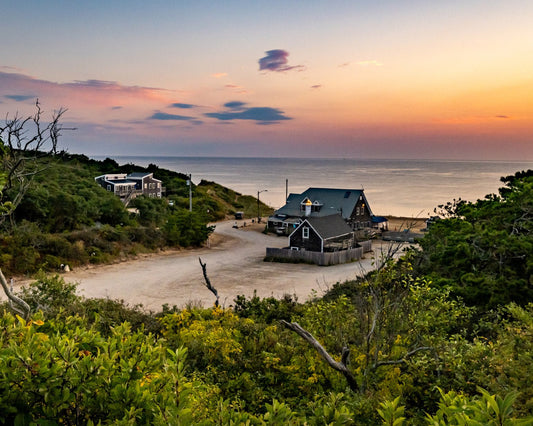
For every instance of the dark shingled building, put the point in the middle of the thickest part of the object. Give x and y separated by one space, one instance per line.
350 204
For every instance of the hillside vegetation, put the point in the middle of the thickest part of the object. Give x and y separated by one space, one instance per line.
66 218
442 336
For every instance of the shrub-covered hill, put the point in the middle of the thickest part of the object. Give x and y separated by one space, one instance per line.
407 344
66 218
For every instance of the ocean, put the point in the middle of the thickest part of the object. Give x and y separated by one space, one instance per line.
409 188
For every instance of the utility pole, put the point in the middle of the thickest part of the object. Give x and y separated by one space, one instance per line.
258 212
189 182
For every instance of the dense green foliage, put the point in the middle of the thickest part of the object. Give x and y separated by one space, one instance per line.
483 251
66 218
443 336
207 366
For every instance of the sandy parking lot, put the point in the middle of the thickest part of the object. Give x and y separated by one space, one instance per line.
234 265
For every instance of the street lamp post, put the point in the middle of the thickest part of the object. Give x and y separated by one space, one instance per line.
258 212
189 183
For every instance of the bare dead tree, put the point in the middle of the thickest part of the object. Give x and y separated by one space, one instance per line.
208 281
17 304
342 365
23 142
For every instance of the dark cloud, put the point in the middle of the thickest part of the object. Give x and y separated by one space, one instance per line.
502 116
20 98
238 111
316 86
117 107
183 106
276 60
165 116
235 105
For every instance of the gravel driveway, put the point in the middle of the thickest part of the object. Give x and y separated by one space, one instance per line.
234 266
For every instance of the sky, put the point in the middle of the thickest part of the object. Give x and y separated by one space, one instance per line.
344 79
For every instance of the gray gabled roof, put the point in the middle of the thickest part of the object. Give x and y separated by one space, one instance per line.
327 226
142 175
139 174
333 201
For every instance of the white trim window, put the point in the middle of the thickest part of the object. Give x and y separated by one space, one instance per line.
305 232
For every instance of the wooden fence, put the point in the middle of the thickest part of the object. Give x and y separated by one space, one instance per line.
407 237
318 258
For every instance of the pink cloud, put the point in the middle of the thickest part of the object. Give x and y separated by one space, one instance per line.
88 92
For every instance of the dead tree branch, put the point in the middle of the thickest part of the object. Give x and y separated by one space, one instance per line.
208 281
341 366
23 142
404 359
17 304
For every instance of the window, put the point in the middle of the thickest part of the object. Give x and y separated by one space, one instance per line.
305 232
363 209
357 211
109 187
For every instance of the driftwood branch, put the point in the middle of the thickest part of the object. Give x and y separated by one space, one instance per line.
208 281
404 358
17 304
341 366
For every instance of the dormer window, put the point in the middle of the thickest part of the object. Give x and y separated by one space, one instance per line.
317 205
305 205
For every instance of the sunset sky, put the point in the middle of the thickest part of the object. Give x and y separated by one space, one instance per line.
360 79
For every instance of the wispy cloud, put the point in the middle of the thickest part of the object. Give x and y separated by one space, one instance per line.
182 106
117 107
10 69
371 63
316 86
171 117
219 74
276 60
237 110
236 88
95 92
473 119
20 98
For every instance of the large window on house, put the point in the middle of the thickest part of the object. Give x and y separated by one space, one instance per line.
305 232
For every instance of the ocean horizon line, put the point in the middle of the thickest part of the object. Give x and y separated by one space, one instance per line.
443 160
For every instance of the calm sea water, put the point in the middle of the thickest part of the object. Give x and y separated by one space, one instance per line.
411 188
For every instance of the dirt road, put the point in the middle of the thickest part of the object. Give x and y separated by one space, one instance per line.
235 266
